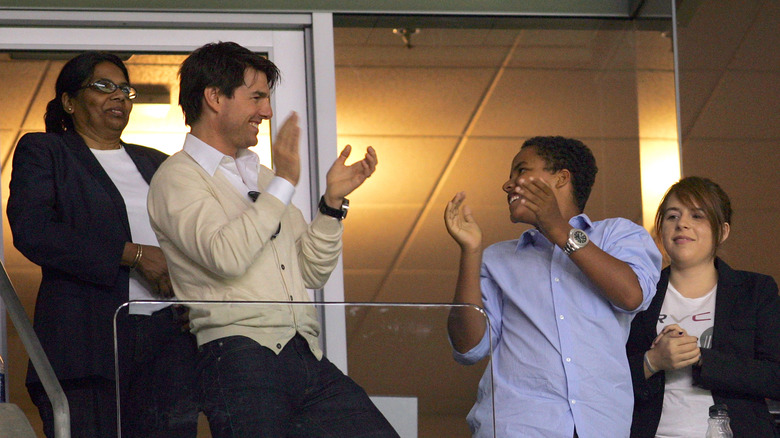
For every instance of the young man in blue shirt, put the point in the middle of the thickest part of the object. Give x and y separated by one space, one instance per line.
559 302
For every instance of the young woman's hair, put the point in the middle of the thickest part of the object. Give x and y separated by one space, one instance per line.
699 192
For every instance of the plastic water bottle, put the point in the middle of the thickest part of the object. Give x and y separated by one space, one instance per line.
718 423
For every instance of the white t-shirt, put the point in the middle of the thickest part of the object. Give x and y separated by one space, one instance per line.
686 407
134 190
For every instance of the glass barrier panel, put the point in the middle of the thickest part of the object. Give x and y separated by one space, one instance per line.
400 354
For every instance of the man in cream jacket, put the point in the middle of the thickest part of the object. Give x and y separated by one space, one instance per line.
230 233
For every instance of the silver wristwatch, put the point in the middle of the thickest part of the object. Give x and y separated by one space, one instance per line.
577 240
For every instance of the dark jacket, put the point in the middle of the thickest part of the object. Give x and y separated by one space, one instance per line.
741 369
67 216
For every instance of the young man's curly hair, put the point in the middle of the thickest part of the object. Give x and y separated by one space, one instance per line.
567 153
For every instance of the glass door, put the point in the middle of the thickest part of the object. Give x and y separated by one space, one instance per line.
33 51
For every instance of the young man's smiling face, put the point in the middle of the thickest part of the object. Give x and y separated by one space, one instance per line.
527 163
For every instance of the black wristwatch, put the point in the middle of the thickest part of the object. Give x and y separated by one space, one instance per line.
338 213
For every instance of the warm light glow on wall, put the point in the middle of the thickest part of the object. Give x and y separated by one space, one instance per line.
152 110
162 127
660 167
659 154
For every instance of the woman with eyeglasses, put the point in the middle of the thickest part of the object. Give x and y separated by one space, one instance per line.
711 334
77 208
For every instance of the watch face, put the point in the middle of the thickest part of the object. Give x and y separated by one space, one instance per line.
580 237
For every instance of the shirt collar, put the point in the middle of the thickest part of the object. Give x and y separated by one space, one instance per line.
248 157
532 236
203 154
209 158
581 221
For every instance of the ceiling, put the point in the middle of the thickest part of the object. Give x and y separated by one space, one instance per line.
450 113
446 115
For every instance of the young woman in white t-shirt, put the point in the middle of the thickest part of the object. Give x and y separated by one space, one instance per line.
711 334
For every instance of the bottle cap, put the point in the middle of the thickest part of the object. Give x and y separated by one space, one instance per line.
719 409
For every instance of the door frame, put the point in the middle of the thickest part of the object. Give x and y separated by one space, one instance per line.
300 44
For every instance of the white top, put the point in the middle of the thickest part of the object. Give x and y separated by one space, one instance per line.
134 189
686 407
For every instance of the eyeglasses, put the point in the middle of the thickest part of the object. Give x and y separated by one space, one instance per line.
108 87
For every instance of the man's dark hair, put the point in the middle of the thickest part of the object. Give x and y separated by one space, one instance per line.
74 75
567 153
221 65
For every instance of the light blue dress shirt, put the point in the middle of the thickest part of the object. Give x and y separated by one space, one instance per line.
559 357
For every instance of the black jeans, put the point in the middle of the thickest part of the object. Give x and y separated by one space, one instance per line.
158 380
158 387
249 391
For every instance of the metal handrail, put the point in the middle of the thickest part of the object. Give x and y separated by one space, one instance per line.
37 356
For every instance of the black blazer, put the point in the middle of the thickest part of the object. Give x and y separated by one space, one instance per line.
67 216
741 369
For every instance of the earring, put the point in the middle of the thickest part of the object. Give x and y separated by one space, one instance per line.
70 109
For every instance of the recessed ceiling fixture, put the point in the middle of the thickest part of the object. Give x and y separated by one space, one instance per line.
406 35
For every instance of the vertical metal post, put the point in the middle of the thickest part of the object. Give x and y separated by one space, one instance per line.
675 54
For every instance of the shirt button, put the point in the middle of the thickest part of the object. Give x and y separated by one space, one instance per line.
574 402
568 359
561 317
279 346
282 267
557 280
